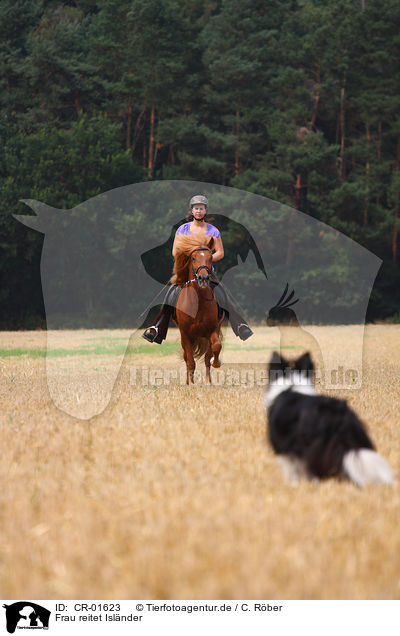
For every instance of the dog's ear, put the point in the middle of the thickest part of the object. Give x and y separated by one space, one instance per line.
304 363
276 367
277 362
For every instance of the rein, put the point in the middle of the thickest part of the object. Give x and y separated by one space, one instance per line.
194 280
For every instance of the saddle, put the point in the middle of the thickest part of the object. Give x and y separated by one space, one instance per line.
173 292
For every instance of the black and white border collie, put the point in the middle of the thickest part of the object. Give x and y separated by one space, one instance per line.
315 436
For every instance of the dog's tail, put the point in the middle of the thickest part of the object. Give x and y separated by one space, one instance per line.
365 466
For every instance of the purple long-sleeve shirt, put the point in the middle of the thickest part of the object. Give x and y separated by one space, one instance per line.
210 230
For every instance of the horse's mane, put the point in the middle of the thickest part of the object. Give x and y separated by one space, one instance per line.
185 244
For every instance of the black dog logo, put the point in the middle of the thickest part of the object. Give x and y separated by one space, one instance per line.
26 615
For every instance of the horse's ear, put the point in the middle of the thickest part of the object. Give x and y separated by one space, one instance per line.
210 243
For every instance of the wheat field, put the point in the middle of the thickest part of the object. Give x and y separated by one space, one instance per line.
172 492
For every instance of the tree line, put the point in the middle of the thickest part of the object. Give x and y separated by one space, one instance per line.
295 100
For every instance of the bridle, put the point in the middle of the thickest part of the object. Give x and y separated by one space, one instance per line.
196 273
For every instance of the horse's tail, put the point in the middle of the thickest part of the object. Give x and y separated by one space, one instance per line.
200 347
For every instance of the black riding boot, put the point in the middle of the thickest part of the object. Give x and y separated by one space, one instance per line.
239 326
158 332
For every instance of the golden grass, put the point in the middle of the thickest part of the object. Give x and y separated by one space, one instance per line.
173 493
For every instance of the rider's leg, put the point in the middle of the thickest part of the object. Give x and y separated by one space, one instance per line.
158 332
239 325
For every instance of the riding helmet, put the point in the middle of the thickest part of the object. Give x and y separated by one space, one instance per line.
198 199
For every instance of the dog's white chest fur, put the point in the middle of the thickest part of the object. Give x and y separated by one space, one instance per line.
298 381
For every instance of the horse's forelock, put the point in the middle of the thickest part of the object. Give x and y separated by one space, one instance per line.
186 243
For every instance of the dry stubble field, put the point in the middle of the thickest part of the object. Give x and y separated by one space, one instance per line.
173 493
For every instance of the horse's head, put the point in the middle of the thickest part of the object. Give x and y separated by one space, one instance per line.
201 259
193 260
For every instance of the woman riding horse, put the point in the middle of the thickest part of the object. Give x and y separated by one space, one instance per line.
197 313
197 225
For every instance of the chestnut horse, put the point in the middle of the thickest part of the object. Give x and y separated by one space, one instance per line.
196 307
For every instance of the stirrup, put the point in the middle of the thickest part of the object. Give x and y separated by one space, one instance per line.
150 337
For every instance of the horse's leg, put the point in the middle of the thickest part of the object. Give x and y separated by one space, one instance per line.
207 362
188 357
216 347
